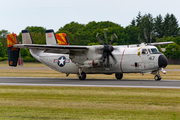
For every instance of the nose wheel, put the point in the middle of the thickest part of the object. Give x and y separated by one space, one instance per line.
157 77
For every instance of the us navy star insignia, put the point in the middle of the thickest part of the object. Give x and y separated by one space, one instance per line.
61 61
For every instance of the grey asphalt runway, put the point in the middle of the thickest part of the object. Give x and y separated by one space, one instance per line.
89 82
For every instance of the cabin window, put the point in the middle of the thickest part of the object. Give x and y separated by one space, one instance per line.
144 51
154 50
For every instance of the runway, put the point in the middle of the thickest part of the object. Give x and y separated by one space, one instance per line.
26 81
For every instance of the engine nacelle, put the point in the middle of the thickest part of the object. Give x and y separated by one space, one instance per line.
92 63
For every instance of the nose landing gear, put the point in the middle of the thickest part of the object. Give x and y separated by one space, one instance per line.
157 77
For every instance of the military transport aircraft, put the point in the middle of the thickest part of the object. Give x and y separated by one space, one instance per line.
97 59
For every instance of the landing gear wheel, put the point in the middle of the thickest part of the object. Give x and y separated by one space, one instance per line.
157 78
119 76
82 76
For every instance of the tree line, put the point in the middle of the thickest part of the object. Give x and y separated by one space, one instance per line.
164 28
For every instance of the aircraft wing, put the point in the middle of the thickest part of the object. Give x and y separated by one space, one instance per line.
53 48
161 43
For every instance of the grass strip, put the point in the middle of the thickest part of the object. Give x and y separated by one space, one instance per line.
33 102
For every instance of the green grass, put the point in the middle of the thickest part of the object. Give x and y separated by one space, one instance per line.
173 67
32 102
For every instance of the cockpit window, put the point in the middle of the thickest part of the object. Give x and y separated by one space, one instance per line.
144 51
154 50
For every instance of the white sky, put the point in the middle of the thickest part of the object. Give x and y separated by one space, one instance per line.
16 15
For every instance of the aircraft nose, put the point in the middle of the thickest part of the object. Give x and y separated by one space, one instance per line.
162 61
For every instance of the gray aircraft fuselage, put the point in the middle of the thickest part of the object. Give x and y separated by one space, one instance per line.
130 59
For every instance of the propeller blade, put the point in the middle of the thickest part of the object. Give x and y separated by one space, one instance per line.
105 35
103 56
152 33
108 66
145 35
112 38
139 39
99 39
113 58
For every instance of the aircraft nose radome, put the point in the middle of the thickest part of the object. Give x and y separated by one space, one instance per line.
162 61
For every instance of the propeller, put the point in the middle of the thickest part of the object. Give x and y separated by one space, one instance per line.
145 35
140 39
151 36
107 49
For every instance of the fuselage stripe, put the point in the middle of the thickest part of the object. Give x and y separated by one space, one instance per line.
121 60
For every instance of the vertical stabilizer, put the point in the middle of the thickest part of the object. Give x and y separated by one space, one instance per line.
26 37
62 39
13 53
50 37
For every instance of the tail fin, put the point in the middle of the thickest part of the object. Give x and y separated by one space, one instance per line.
50 37
13 53
26 37
62 39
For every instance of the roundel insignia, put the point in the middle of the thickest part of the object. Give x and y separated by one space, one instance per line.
61 61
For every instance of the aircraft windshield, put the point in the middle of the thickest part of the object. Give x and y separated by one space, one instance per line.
154 50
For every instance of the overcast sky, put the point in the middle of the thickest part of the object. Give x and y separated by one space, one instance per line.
16 15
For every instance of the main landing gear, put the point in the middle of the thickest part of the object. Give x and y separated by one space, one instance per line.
81 75
119 76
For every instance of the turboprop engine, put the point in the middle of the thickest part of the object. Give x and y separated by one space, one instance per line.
92 63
